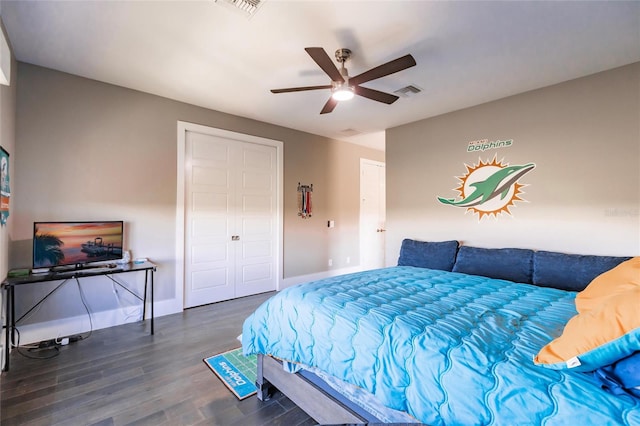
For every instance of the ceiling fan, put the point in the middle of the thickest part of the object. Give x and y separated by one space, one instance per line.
344 87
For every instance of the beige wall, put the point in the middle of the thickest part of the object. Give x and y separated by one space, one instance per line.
582 197
88 151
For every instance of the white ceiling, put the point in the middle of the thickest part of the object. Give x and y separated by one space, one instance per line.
209 54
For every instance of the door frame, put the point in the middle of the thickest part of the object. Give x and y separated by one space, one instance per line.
183 128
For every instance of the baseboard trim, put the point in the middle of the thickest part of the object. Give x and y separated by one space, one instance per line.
291 281
71 326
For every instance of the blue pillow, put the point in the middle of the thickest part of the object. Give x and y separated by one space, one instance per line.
621 377
507 264
571 272
433 255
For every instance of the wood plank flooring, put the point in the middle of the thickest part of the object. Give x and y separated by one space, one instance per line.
123 376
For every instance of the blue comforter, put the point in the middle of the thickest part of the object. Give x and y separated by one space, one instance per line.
448 348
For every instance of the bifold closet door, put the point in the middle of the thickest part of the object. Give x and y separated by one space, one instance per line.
230 218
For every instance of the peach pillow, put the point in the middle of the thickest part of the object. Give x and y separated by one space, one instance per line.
597 337
622 278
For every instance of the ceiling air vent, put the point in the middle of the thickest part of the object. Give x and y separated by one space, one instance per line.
248 7
349 132
410 90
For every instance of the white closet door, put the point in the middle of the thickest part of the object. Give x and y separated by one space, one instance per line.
372 214
255 219
230 210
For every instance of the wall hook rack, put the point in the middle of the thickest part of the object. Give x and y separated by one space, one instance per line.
304 200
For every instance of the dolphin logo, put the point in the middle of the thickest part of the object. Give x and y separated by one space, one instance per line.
498 183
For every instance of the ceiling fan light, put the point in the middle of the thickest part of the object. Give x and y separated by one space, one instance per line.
343 94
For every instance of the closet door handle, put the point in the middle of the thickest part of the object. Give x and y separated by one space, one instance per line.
235 238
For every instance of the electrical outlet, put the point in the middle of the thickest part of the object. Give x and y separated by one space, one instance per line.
348 260
330 262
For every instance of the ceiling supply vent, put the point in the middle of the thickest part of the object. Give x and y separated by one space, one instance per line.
349 132
248 7
410 90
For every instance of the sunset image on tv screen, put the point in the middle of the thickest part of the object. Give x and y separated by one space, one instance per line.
72 243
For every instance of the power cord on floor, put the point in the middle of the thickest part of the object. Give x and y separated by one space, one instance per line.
41 347
55 344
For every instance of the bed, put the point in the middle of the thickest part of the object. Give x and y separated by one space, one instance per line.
452 335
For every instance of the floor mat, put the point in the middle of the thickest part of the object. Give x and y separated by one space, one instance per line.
237 372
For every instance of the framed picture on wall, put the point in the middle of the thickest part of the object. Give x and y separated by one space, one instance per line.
5 191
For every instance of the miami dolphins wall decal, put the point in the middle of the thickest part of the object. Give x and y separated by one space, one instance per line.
489 188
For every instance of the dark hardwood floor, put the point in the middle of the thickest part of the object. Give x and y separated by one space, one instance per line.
123 376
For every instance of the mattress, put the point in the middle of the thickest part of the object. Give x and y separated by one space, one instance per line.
444 347
359 400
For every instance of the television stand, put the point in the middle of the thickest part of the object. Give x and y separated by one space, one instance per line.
106 270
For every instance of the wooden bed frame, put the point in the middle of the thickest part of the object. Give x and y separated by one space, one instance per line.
321 406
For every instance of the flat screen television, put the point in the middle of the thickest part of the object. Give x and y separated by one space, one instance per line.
59 245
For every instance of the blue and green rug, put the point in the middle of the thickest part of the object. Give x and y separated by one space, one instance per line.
237 372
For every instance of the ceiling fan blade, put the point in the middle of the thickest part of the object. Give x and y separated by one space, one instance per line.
329 106
323 60
376 95
394 66
300 89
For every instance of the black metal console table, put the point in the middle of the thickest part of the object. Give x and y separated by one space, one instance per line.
92 271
